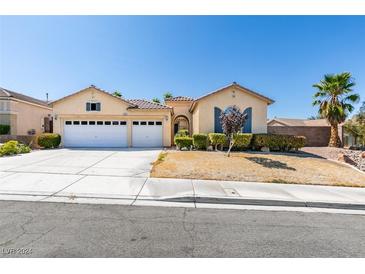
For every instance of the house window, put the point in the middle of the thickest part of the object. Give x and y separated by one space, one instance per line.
100 123
151 123
107 123
143 123
76 122
123 123
158 123
93 106
83 123
135 123
4 106
115 123
91 123
68 122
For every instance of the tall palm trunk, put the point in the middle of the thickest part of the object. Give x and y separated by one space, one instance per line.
334 139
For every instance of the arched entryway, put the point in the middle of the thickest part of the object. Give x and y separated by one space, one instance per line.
181 122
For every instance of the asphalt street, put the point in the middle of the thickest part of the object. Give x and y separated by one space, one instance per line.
34 229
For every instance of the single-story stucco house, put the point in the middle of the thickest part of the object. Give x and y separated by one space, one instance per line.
95 118
317 131
25 115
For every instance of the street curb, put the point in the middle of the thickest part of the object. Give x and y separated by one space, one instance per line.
264 202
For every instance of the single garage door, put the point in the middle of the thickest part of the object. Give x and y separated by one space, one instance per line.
95 134
147 134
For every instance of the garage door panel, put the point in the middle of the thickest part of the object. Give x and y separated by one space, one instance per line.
147 134
95 136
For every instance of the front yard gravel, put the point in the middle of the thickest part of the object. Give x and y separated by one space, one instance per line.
333 153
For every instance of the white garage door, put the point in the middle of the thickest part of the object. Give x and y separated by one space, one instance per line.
95 134
147 134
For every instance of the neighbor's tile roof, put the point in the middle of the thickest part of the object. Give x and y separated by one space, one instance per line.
301 122
144 104
180 98
12 94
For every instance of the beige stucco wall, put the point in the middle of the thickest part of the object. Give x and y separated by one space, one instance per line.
26 116
181 108
196 121
74 108
203 117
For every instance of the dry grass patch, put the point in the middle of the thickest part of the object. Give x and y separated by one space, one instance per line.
255 167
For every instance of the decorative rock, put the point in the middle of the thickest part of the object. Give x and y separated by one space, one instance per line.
363 155
341 157
346 159
184 149
210 148
265 149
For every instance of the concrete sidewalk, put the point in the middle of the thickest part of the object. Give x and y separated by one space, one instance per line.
174 192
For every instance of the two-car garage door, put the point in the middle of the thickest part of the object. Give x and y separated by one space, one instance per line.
95 134
112 134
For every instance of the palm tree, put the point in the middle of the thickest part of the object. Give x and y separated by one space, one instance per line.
167 95
335 98
156 100
117 94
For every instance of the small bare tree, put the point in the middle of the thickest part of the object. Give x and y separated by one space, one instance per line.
232 121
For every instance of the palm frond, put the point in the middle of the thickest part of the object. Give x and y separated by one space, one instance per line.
354 98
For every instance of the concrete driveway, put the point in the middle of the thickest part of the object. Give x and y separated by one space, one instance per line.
92 173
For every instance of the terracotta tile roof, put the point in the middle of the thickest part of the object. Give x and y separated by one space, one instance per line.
12 94
301 122
180 98
145 104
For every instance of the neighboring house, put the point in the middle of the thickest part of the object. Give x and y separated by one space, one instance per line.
24 114
95 118
316 131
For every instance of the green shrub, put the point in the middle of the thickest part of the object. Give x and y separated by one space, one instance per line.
277 142
298 142
217 139
242 140
182 133
49 140
9 148
200 141
184 142
13 147
4 129
23 148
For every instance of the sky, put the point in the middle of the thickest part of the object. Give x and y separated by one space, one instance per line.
280 57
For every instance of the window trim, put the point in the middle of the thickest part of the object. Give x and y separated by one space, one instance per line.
88 106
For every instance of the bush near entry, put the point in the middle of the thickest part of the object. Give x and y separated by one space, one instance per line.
49 140
183 142
200 141
182 133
